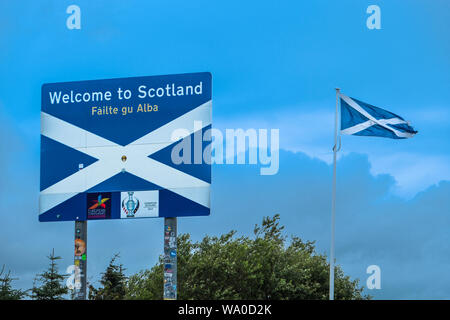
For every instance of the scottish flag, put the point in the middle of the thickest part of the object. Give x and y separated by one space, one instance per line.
362 119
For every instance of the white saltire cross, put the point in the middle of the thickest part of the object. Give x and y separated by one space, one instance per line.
109 155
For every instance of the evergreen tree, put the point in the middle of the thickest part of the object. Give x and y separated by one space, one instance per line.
52 283
113 283
6 290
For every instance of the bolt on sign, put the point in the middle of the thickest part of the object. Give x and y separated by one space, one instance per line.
111 149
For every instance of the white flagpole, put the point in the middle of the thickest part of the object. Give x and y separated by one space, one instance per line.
333 199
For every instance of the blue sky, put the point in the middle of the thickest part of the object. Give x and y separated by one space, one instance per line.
274 65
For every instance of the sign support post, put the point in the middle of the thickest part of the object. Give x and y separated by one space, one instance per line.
170 258
80 260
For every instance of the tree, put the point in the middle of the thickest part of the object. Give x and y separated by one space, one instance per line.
113 283
265 266
6 290
52 283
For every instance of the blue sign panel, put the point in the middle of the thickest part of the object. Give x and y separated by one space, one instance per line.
126 148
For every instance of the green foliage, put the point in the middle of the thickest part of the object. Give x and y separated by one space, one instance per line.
146 284
263 267
6 290
113 283
52 283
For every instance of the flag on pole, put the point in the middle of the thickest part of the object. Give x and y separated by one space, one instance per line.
362 119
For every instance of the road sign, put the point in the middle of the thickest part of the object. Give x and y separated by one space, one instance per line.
126 148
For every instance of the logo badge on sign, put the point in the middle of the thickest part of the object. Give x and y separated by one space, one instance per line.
130 205
139 204
99 205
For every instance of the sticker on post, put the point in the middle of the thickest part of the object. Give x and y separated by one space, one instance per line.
80 247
